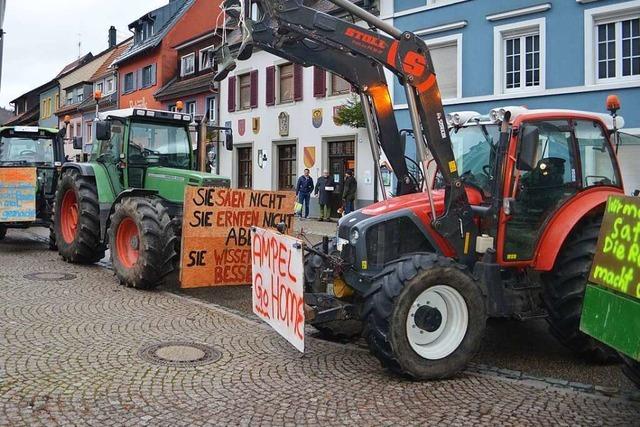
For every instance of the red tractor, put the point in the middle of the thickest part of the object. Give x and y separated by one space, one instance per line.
507 228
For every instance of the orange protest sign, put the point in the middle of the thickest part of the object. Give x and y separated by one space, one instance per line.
17 194
216 232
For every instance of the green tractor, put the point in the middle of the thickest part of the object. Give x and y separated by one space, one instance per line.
31 147
129 196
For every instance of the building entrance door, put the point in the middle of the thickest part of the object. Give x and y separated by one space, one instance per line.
341 158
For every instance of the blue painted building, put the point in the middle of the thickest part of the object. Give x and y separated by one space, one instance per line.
535 53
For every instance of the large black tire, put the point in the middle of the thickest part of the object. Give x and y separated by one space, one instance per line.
150 237
564 289
631 368
337 330
81 244
3 232
388 307
53 246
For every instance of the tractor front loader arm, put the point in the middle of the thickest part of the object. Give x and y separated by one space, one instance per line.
293 30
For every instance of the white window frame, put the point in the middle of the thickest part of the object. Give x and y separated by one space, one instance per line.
602 15
329 85
150 82
521 28
246 72
212 105
448 40
195 107
201 55
110 82
278 83
100 86
182 64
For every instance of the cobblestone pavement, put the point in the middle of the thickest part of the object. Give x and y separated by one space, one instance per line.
70 355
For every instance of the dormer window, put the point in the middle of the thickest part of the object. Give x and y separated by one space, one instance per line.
145 30
188 65
206 58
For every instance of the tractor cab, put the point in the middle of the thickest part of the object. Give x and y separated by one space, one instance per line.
149 149
36 148
551 159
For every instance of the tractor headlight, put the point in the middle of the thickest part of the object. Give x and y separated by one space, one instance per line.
355 235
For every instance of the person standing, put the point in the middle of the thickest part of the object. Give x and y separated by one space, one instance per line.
349 191
325 187
304 188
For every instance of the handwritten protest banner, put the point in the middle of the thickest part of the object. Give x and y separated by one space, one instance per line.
616 264
216 232
611 305
278 283
17 194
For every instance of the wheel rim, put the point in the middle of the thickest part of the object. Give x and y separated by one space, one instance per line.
127 243
69 216
437 322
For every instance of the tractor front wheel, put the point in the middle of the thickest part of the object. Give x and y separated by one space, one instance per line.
76 219
142 243
564 290
426 317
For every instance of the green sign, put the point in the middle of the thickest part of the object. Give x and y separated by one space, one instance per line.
617 261
611 311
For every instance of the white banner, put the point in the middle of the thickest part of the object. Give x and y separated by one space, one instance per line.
278 283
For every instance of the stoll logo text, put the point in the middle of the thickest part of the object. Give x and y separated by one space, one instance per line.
367 38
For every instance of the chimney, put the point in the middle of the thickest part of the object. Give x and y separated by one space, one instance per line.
112 37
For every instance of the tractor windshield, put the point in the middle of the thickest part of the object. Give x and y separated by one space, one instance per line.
159 144
473 147
25 151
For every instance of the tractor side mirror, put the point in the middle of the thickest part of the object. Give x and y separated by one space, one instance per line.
529 144
103 130
77 143
228 139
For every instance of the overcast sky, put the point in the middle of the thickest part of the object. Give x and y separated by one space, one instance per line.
42 36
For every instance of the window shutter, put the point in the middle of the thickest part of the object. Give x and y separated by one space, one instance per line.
124 84
138 75
153 74
297 82
271 85
231 93
319 82
254 89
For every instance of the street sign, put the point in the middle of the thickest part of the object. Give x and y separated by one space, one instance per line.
278 283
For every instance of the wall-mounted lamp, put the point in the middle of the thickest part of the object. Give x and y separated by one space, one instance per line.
262 158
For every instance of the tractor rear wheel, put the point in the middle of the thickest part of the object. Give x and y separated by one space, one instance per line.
3 231
76 219
425 318
564 292
142 243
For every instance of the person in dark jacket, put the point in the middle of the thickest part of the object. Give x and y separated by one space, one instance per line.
304 188
325 187
349 191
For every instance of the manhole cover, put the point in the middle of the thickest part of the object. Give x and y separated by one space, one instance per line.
49 277
180 354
